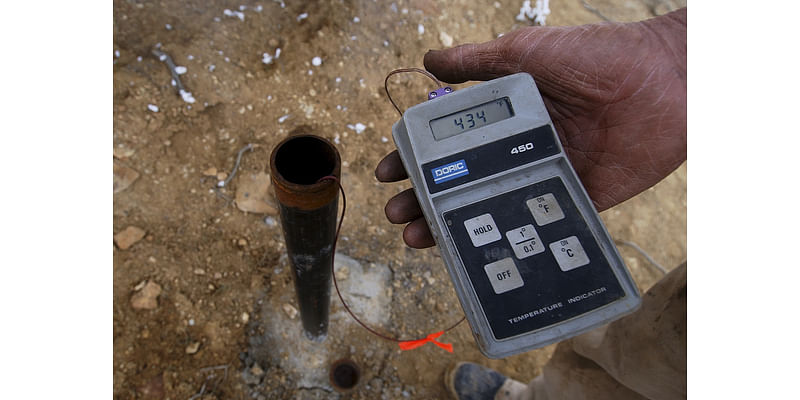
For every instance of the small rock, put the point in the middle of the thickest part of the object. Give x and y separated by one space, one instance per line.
290 310
429 278
256 370
234 13
221 176
210 172
199 271
242 243
252 194
245 317
273 42
447 40
123 154
358 127
128 237
342 273
192 348
217 275
147 297
123 177
187 97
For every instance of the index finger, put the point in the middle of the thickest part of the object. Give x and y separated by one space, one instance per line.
468 62
390 169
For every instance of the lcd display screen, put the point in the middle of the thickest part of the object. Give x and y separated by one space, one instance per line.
471 118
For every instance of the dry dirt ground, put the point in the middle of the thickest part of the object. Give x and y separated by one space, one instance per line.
203 295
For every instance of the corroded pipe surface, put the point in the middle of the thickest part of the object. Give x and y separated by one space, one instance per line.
308 210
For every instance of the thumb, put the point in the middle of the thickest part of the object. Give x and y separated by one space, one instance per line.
481 62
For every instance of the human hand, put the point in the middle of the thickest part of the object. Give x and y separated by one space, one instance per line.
616 94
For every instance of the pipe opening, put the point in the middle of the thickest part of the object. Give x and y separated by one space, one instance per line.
344 374
304 160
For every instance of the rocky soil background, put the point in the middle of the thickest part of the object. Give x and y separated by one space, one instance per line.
204 303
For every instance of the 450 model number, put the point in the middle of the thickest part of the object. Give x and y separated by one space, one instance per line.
521 148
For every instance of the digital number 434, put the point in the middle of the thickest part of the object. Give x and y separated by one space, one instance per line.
521 148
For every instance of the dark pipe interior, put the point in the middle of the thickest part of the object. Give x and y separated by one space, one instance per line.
344 375
304 160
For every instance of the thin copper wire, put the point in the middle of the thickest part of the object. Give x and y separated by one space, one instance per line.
402 70
336 285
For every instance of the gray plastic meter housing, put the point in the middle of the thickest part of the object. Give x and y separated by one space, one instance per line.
530 259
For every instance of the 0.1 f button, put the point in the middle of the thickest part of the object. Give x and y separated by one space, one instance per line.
525 241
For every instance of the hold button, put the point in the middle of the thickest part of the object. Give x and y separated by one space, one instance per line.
482 230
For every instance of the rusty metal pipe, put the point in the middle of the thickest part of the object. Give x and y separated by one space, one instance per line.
344 375
308 210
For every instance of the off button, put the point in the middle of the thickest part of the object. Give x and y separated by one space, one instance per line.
482 230
503 275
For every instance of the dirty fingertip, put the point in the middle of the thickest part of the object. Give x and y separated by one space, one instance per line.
390 169
417 235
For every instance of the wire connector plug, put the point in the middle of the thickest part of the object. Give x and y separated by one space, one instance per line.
440 92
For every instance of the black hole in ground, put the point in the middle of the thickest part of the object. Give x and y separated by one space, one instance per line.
305 160
345 376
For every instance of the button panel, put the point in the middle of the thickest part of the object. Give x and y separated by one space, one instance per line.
525 241
545 209
482 230
511 251
569 253
503 275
